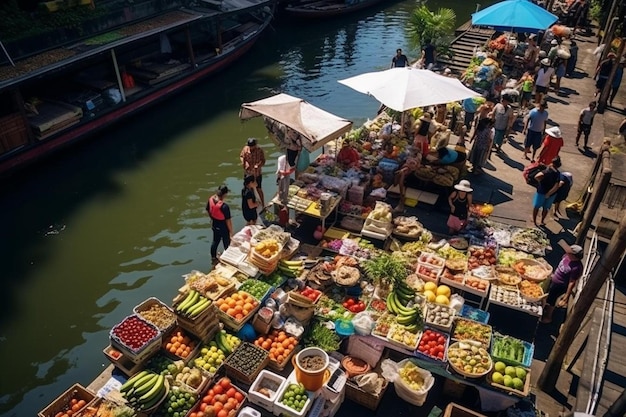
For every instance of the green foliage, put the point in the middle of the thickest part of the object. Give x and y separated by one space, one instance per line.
437 26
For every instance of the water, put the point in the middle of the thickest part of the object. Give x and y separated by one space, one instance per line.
93 232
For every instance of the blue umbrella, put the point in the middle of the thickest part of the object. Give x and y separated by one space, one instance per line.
514 15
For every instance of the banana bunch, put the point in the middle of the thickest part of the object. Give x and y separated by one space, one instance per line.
292 269
193 304
144 390
397 301
225 342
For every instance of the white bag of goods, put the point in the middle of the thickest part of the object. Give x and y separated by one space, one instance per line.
411 382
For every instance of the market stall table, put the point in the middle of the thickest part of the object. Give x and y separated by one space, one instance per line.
313 209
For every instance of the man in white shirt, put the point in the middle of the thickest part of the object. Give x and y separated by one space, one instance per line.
542 81
585 121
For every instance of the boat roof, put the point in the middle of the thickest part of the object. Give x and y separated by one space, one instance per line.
55 59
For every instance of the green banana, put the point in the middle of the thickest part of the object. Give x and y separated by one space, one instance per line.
199 307
145 388
403 299
406 320
390 305
404 291
291 263
138 383
152 402
129 383
156 387
191 299
227 347
412 328
402 309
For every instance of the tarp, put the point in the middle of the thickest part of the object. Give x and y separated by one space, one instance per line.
407 88
514 15
316 126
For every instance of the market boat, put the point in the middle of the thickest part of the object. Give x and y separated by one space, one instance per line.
60 96
317 9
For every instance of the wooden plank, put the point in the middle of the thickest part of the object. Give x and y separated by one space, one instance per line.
584 384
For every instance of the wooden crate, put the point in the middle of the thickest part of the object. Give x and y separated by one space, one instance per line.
455 410
62 402
13 132
124 364
367 400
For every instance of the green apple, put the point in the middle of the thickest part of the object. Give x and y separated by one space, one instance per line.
510 371
520 373
508 381
500 366
518 383
497 377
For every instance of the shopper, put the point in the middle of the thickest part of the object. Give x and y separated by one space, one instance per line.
571 62
542 80
526 84
222 225
534 126
549 181
424 129
483 135
563 192
252 160
429 55
503 118
559 71
603 70
249 204
460 201
585 121
551 146
531 53
617 81
563 280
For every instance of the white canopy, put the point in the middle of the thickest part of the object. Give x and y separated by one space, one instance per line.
316 126
406 88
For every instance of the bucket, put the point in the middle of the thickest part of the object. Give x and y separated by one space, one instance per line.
312 380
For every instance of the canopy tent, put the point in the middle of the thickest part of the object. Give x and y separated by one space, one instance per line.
514 16
316 126
406 88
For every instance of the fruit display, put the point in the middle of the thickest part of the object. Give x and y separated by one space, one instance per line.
255 288
377 306
210 285
507 257
215 352
439 315
353 305
532 270
179 343
508 276
439 294
397 303
432 260
456 265
247 361
279 344
239 305
405 337
531 291
155 312
428 273
458 277
295 397
144 390
530 240
221 400
510 377
267 248
163 365
433 344
511 350
505 295
134 333
383 324
465 329
73 407
193 305
291 269
469 358
479 255
178 403
191 377
408 226
306 296
411 376
476 284
100 408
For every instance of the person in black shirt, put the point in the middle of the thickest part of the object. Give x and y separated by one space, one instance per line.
429 55
400 60
248 200
549 182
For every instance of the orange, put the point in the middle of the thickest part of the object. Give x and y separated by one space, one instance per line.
248 306
280 359
239 316
245 312
231 312
218 389
266 345
224 307
238 309
281 338
222 413
286 344
232 303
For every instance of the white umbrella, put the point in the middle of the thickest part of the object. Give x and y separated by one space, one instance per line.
406 88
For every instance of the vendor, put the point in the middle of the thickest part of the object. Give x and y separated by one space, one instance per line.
424 129
410 166
532 53
563 281
459 200
348 157
447 156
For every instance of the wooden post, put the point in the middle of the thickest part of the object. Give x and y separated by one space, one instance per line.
118 76
596 199
192 56
610 258
604 94
593 177
618 409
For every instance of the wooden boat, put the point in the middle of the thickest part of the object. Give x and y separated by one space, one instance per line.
316 9
57 97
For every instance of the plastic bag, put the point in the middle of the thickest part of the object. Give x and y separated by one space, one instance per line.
389 370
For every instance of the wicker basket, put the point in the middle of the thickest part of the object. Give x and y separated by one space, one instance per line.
367 400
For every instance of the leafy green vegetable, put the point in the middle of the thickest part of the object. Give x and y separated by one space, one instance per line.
322 337
509 348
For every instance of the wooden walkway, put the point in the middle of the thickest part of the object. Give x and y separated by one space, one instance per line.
467 38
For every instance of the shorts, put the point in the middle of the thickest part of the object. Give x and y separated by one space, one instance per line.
498 137
292 157
601 82
540 90
257 178
541 201
527 95
533 139
250 215
555 291
585 129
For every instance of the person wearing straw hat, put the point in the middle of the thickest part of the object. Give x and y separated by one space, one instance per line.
542 79
563 281
460 201
551 146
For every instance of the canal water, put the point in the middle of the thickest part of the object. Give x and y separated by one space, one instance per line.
104 225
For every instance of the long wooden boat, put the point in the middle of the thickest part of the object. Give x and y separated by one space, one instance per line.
58 97
316 9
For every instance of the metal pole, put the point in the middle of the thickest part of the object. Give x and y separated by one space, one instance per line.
117 75
590 212
604 95
610 258
7 54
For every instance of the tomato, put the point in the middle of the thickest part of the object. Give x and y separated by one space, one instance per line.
350 301
231 392
218 389
441 340
239 396
225 383
440 355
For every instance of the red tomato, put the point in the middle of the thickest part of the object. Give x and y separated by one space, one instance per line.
350 301
441 340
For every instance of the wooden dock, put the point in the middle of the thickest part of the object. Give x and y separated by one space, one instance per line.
467 38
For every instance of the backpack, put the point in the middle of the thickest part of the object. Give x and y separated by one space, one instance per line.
530 171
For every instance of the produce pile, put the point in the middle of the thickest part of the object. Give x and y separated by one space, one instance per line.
134 333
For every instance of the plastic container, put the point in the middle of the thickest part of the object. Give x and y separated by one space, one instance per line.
273 382
312 380
282 409
344 328
248 412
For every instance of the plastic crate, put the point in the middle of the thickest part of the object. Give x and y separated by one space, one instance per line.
62 402
529 352
475 314
282 409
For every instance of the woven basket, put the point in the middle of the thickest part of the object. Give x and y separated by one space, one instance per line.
367 400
